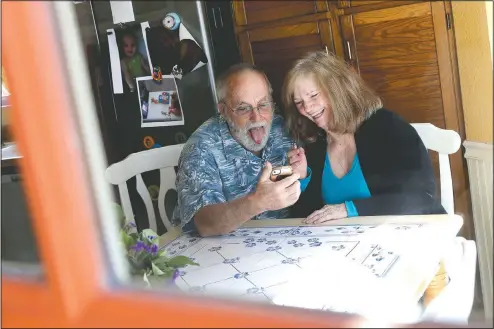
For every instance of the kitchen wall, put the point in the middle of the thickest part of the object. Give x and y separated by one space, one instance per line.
473 29
489 12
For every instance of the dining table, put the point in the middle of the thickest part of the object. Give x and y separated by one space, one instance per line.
362 265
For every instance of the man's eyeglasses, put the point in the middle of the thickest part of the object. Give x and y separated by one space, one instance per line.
246 110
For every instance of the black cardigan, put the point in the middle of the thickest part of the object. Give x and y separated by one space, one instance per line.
395 164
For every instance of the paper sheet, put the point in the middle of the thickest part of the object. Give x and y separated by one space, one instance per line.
115 62
122 11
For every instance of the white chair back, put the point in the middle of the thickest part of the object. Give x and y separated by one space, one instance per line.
444 142
164 159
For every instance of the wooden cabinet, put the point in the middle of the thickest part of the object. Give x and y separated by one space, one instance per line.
253 12
273 49
395 51
273 34
403 49
405 54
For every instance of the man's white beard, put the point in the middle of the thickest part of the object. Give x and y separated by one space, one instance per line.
242 135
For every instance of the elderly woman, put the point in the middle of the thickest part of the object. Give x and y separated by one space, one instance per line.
359 159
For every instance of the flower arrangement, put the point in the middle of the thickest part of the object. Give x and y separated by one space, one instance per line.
145 255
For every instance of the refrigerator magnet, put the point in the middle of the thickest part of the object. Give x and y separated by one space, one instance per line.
157 76
171 21
148 142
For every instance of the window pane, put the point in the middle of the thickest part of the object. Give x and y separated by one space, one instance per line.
283 262
18 240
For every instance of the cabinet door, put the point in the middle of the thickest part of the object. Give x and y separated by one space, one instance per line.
274 48
404 53
255 12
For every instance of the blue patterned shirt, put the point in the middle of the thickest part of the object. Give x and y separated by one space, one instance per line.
215 168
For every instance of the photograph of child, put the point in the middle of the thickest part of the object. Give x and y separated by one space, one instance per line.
159 103
133 61
129 56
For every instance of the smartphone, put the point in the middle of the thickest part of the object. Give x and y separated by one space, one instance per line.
278 173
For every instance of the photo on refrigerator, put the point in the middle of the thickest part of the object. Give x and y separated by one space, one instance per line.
159 102
171 46
128 56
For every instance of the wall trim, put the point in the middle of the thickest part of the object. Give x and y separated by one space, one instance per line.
480 165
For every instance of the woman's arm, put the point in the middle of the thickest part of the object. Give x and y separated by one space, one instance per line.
397 169
310 199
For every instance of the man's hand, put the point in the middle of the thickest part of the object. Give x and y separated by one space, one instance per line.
271 195
298 161
327 213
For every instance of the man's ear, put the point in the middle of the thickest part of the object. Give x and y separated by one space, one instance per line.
222 108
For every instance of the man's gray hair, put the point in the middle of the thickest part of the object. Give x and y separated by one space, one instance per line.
223 80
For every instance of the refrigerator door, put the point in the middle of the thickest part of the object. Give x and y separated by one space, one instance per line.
196 89
120 114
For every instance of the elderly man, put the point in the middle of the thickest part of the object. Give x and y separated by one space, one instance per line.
224 169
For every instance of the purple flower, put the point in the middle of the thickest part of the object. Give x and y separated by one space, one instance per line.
154 248
138 246
176 274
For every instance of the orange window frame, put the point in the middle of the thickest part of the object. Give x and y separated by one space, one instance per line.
56 182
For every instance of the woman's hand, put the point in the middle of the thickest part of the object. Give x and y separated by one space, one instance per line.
327 213
298 161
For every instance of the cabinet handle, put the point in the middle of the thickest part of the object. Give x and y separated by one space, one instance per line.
221 16
349 50
214 18
326 48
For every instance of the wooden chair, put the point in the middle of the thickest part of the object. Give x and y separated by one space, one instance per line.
164 159
453 302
